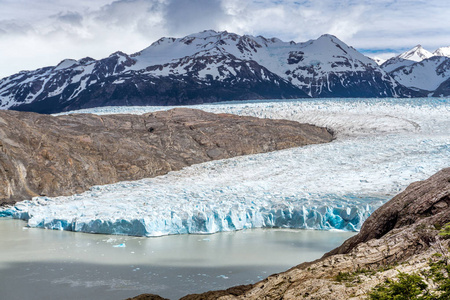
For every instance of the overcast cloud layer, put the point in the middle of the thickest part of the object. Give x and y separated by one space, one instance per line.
38 33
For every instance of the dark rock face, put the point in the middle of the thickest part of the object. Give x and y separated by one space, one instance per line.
233 291
47 155
107 87
53 90
371 83
443 89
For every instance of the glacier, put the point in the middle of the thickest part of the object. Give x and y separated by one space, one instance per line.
381 146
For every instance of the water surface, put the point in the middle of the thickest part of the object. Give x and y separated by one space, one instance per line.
51 264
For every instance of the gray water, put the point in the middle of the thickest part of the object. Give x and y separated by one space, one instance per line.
48 264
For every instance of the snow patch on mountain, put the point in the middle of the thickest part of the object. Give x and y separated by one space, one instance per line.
67 63
428 74
272 53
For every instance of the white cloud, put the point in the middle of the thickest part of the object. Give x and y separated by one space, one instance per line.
35 34
292 20
40 38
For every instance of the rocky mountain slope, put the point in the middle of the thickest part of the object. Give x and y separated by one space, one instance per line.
204 67
401 236
421 70
54 156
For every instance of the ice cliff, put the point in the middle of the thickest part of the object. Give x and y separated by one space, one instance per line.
381 147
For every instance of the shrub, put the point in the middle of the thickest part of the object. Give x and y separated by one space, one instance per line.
445 231
408 287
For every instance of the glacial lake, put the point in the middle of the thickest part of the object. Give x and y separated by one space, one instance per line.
381 146
52 264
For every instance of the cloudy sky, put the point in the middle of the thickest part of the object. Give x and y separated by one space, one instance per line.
38 33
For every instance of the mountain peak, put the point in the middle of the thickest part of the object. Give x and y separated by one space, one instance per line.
327 36
329 48
206 34
407 58
379 60
66 63
416 54
443 51
86 60
118 53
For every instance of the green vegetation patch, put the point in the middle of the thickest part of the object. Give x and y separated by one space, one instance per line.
416 286
445 231
408 286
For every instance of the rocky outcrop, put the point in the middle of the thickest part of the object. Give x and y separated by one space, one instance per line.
402 235
148 297
422 203
62 155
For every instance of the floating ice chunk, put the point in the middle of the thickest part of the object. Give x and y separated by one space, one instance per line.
120 246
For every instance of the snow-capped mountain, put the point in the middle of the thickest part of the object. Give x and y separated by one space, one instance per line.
204 67
407 58
427 75
416 54
420 69
443 51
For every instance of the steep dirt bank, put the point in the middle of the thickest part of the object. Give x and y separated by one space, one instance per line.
54 156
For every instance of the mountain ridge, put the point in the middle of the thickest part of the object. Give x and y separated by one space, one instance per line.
421 70
203 67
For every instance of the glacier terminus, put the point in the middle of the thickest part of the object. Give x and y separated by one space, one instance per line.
381 146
